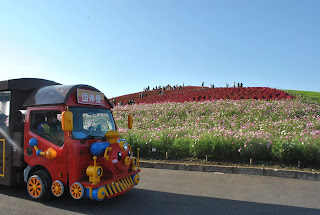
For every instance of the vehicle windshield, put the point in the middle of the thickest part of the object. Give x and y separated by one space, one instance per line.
91 122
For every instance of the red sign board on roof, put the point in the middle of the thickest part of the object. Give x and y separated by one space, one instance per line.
90 97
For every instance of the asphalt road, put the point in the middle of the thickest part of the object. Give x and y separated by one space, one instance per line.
183 192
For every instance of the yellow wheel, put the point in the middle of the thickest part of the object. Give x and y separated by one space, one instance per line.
35 187
76 190
101 193
57 188
136 178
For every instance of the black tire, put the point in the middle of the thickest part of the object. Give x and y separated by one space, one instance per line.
44 175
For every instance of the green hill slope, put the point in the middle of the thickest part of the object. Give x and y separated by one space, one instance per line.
305 96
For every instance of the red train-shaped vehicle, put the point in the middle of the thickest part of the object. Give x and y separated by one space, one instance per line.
62 138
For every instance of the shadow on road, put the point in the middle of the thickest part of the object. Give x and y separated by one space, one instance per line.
140 201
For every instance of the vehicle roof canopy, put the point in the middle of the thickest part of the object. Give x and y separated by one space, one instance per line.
55 95
42 92
25 84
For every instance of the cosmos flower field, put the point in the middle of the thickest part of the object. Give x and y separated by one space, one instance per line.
284 131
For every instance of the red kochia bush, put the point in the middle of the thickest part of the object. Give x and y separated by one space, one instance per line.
205 94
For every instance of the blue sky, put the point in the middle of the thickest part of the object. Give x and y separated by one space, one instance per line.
120 47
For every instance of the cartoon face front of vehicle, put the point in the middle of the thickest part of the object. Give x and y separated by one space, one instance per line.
120 157
113 171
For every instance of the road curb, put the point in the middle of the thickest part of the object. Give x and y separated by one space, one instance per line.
233 170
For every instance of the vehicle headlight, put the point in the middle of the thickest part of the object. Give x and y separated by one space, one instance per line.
99 172
123 144
94 172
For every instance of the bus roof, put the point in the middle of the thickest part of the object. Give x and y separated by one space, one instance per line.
25 84
55 95
42 92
